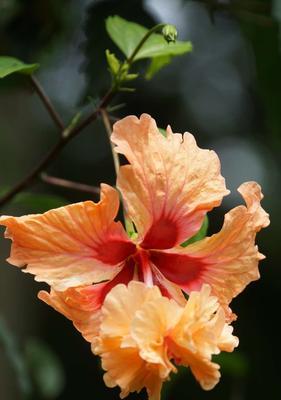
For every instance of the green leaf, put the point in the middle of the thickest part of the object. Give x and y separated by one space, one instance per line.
45 368
112 62
130 77
127 89
156 64
127 35
73 122
11 65
199 235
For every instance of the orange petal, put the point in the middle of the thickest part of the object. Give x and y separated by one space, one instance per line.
141 331
206 372
201 332
151 325
127 369
70 246
169 184
82 304
189 335
202 328
118 351
78 305
228 260
121 304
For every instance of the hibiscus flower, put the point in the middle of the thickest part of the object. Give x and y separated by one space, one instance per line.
153 334
167 187
142 336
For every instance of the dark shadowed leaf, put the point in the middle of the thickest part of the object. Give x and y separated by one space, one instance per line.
35 202
234 364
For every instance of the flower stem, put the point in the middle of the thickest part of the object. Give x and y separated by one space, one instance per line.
107 124
155 29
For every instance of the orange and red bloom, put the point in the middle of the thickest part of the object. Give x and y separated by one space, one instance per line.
167 187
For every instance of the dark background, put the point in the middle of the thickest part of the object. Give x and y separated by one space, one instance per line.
227 92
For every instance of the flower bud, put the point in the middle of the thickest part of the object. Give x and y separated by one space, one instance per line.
170 33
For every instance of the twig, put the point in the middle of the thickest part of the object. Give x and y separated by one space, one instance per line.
53 153
70 132
82 187
92 117
115 108
27 180
47 103
108 128
113 119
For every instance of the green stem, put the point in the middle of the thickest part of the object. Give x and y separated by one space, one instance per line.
117 79
108 128
155 29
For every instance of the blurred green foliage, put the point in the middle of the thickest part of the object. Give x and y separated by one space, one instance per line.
9 345
45 369
37 369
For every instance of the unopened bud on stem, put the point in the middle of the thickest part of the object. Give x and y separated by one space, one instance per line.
170 33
